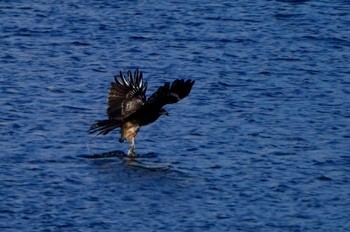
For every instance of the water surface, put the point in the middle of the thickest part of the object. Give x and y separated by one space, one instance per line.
261 144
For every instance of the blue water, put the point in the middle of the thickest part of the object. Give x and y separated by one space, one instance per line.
262 143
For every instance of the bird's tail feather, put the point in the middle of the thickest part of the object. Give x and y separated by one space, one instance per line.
104 126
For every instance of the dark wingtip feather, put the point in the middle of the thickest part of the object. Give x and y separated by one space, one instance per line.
134 81
181 87
136 76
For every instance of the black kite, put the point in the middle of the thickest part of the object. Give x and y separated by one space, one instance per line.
128 108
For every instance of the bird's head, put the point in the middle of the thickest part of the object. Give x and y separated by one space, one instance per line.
163 112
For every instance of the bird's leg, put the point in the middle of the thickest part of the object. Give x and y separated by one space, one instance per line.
131 152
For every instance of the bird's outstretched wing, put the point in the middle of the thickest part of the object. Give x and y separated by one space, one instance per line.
169 94
126 95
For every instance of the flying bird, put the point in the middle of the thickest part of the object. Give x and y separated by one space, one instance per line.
129 109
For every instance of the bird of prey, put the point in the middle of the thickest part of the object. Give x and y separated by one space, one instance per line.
129 109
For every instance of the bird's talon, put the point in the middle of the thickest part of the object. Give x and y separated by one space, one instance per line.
131 153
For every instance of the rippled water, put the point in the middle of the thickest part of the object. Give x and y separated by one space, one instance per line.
261 144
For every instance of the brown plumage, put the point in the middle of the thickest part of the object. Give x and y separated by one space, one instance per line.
128 108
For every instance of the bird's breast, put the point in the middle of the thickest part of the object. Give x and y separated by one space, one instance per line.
130 129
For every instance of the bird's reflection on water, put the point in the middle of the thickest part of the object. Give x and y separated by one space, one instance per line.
146 161
104 155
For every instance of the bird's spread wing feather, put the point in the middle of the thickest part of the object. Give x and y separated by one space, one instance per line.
169 94
126 95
